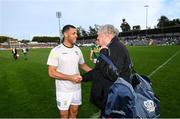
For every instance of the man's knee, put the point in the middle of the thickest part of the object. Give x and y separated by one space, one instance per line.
64 114
73 111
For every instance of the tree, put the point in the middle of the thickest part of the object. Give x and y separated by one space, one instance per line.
92 31
178 21
79 31
84 33
45 39
3 39
96 27
172 23
25 41
163 22
125 26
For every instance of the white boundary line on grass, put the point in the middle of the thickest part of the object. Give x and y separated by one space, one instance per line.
162 65
96 115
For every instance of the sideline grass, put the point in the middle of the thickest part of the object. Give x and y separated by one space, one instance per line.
27 91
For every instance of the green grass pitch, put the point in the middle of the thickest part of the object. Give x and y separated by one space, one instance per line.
27 91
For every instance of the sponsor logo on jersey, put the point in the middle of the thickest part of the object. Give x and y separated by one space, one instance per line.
76 52
64 53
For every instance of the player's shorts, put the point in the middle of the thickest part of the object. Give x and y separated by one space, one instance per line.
94 61
65 99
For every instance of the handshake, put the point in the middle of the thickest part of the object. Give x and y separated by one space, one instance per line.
76 78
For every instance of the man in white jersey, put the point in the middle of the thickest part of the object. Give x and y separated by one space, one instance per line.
64 61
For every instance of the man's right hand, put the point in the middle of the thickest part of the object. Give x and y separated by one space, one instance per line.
76 78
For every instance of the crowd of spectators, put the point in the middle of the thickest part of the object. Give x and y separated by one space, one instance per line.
157 39
153 39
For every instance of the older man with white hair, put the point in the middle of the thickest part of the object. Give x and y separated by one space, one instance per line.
102 75
114 50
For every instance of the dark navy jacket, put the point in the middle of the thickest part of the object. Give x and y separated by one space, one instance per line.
103 76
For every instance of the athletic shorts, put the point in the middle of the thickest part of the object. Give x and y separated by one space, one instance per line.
94 61
65 99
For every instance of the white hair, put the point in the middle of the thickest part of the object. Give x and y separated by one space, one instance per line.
109 29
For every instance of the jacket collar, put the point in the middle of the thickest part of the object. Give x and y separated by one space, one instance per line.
115 38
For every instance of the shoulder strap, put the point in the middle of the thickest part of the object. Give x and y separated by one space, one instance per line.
108 61
132 67
115 69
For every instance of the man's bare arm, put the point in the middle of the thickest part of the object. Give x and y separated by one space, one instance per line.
85 67
53 73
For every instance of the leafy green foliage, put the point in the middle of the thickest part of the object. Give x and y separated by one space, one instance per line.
45 39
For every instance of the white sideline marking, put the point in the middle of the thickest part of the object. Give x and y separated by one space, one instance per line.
162 65
95 115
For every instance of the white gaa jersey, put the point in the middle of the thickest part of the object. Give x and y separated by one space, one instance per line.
67 61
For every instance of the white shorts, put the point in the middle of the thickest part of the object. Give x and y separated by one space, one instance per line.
65 99
94 61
